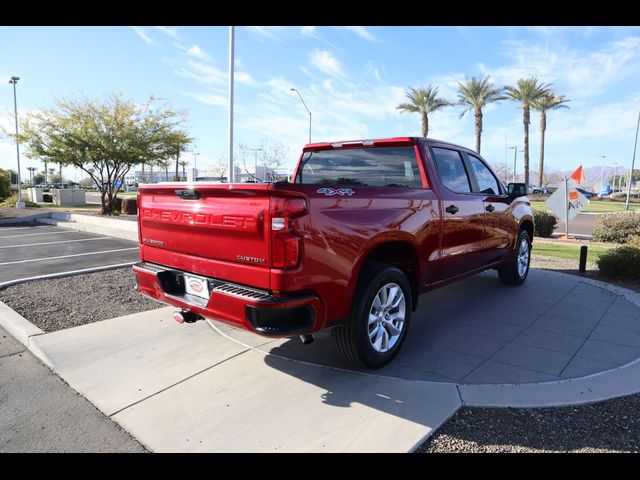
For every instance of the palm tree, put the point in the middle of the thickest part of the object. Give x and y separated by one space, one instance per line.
476 94
546 102
423 101
164 164
31 170
183 164
526 91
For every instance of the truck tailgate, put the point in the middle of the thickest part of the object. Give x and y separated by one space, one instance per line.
226 224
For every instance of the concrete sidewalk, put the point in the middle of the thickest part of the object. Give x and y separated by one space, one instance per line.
187 388
39 413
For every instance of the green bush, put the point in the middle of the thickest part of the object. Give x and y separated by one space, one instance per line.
5 184
634 242
116 204
545 223
621 262
11 201
616 227
130 205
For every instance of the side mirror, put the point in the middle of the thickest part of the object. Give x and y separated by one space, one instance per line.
517 189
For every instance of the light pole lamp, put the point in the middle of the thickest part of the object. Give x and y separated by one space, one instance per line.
14 81
305 106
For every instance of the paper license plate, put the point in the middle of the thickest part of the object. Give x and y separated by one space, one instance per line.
196 286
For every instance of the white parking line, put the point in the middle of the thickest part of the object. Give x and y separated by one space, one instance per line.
65 274
2 229
51 243
34 234
69 256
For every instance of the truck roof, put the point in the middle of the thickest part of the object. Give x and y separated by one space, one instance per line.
391 141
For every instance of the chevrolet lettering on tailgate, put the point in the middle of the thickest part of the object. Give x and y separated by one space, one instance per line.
231 222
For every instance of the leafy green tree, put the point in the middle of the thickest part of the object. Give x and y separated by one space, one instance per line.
526 91
544 103
104 138
423 101
38 178
5 184
475 94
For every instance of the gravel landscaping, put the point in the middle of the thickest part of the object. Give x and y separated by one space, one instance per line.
72 301
609 426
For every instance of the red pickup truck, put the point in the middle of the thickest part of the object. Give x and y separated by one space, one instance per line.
363 228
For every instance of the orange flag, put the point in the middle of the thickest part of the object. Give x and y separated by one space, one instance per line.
578 175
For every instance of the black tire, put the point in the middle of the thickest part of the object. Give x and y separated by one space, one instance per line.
509 273
353 337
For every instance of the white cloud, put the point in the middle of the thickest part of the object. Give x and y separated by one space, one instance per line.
362 32
327 63
209 98
308 30
575 73
169 31
143 35
197 52
202 73
269 32
246 79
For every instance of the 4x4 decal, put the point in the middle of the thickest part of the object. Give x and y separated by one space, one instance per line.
330 192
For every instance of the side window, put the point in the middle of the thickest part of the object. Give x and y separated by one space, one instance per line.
487 183
451 170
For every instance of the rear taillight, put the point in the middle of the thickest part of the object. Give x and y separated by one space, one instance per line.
286 244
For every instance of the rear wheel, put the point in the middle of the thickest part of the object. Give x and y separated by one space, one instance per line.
515 272
379 318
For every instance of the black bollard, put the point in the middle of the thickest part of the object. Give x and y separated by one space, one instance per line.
583 259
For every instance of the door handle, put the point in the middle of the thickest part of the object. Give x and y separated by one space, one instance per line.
490 208
452 209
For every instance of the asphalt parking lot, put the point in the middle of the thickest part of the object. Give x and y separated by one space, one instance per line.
36 250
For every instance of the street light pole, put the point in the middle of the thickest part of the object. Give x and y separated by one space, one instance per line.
195 166
305 106
231 176
601 171
14 81
255 162
633 161
515 153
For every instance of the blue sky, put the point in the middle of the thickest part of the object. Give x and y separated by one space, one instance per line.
351 78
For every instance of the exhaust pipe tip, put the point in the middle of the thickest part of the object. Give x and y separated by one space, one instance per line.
185 316
307 339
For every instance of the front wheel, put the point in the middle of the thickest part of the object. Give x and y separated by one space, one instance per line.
379 317
515 272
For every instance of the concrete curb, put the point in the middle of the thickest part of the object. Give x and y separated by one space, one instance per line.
25 219
124 229
23 331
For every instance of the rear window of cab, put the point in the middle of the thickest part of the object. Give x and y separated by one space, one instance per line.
367 167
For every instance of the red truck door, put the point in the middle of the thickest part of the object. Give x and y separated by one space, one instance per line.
463 234
500 222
